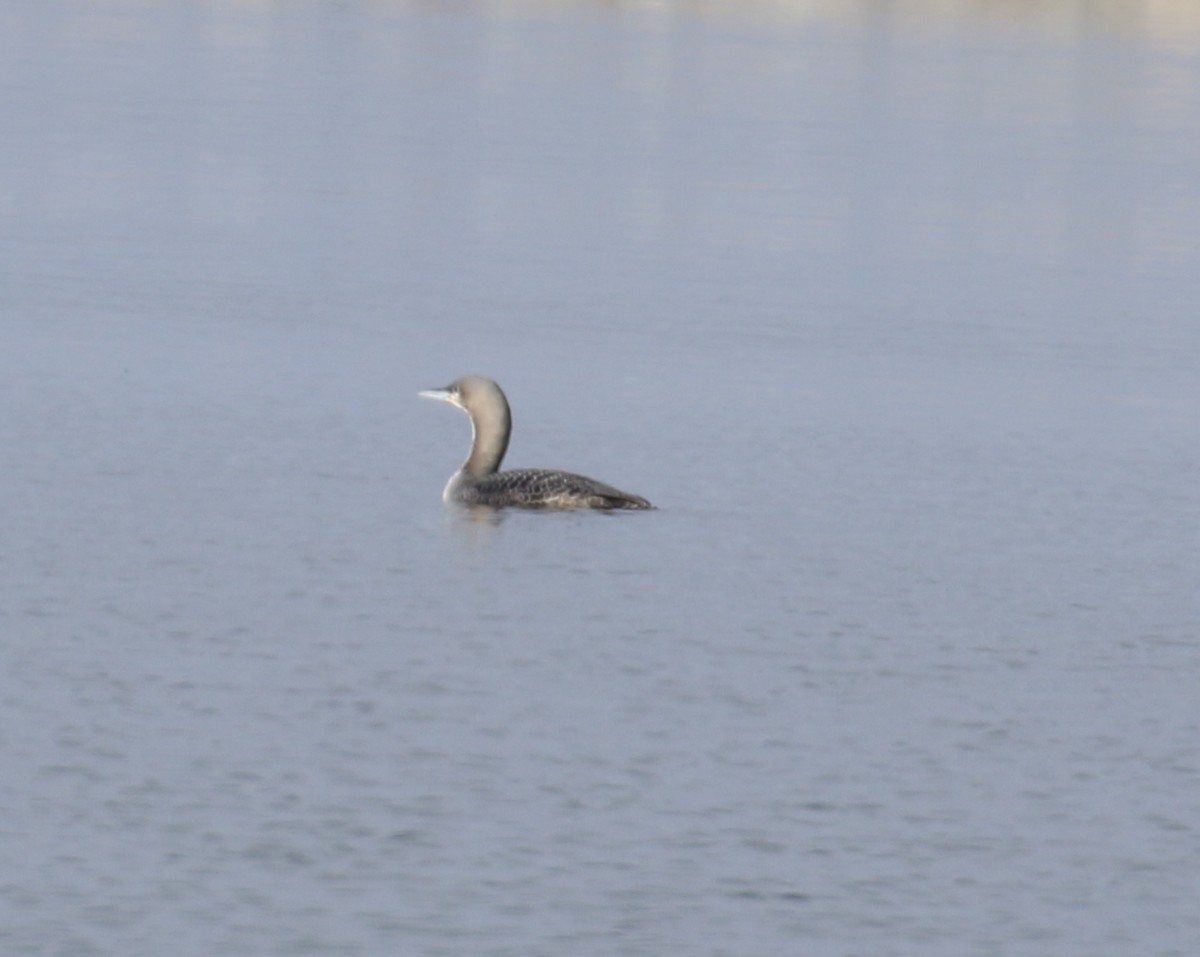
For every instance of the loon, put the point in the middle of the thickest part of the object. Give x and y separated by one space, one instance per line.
479 482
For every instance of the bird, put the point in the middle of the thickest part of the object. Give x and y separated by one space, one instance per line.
480 482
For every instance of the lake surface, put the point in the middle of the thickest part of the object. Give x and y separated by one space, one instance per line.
893 315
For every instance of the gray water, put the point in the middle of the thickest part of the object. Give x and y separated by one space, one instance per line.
893 315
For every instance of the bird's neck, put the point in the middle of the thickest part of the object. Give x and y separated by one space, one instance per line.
491 428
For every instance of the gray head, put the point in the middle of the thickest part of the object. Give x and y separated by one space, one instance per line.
491 421
471 393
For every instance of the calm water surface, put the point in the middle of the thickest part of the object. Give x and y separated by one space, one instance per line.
893 317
